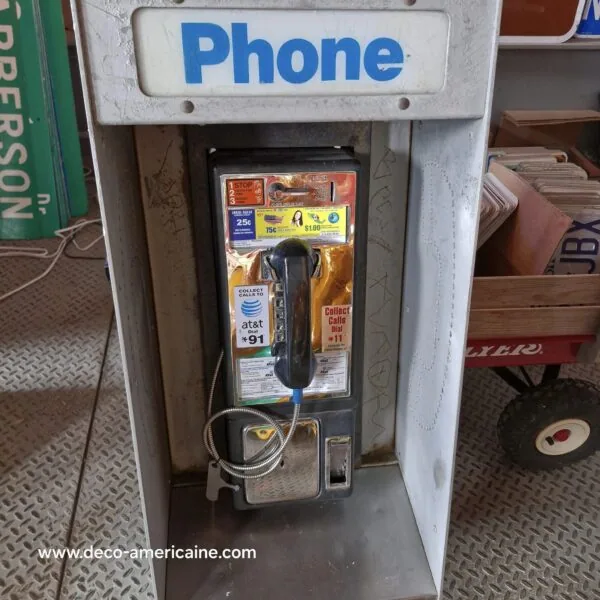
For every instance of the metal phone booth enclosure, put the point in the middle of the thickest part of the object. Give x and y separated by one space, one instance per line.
290 197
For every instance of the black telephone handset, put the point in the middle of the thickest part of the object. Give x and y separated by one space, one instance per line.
293 262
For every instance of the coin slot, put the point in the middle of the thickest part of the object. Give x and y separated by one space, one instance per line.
338 462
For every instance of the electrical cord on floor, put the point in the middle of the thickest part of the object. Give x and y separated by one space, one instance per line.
269 457
70 256
66 235
73 242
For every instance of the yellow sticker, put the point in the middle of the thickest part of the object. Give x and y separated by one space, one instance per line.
324 224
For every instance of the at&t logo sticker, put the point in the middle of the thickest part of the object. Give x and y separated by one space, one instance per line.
252 323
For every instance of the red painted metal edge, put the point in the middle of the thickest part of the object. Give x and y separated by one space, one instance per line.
507 352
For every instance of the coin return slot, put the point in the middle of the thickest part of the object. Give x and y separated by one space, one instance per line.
338 462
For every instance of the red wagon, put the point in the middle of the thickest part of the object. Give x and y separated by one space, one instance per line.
518 322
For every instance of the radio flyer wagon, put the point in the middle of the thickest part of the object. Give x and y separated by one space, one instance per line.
519 322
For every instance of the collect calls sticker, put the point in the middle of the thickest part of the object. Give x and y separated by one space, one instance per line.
251 316
336 327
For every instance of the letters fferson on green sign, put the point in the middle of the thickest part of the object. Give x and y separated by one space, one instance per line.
41 173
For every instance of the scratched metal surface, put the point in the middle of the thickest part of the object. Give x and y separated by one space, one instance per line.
516 534
52 338
440 249
390 148
109 512
118 99
161 157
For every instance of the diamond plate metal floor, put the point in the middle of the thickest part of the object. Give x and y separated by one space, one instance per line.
52 341
109 512
514 534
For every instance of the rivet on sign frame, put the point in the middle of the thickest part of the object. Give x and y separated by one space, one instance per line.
187 106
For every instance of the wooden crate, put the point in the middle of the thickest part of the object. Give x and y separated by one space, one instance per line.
544 305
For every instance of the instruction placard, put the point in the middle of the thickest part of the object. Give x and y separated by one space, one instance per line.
252 321
245 192
257 379
336 327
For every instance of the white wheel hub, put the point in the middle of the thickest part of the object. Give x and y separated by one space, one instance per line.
563 437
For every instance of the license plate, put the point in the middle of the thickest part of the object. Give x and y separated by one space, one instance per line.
197 52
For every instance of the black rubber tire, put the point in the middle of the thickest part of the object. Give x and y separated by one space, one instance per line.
538 407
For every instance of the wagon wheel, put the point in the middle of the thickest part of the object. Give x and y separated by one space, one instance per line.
552 424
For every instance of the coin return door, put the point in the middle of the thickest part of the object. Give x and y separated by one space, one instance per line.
297 477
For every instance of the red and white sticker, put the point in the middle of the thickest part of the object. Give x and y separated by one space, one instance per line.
336 327
245 192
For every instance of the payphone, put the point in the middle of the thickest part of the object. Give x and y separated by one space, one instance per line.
290 234
337 218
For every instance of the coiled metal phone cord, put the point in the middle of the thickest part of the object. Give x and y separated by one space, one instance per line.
267 459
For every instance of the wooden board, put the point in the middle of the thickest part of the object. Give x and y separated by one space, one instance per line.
551 128
167 213
541 290
531 322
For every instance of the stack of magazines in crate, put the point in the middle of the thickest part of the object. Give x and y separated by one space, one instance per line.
497 204
568 187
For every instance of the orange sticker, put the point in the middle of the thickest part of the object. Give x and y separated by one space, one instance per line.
245 192
336 327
